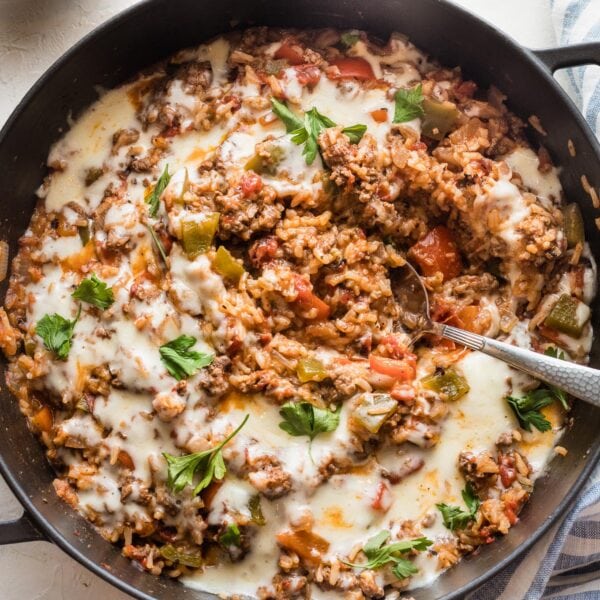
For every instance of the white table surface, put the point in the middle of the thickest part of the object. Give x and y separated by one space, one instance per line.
34 33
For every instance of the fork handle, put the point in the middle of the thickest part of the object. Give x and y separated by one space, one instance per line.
577 380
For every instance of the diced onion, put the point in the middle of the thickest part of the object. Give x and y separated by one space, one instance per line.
3 259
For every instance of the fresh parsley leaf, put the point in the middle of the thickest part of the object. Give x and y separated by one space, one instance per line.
373 544
471 499
231 536
154 198
56 333
355 133
379 554
180 361
299 136
558 394
349 38
315 123
456 518
311 149
527 409
306 131
302 418
409 104
290 120
158 244
94 291
403 568
209 465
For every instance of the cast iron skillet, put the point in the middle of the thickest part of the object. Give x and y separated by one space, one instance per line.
155 28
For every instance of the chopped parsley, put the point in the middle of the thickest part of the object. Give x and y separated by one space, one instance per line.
527 409
56 333
379 554
306 131
153 199
409 104
302 418
231 536
355 132
94 291
208 465
457 518
180 361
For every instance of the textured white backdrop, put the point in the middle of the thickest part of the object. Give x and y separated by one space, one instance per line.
34 33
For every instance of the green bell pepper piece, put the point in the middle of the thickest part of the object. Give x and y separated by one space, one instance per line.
227 265
197 236
449 383
310 369
439 118
564 318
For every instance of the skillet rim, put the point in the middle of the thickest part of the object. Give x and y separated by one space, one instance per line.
48 530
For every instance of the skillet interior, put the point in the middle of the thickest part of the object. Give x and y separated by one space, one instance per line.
156 28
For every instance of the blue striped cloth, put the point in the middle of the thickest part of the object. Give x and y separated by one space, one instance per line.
565 563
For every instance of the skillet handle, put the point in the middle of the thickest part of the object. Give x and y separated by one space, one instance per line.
20 530
570 56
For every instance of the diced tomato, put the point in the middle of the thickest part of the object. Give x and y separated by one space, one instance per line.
401 370
473 318
235 345
308 74
290 51
307 545
251 183
125 460
403 392
170 131
419 146
510 510
395 348
43 419
382 499
549 333
466 89
263 250
437 252
353 66
508 473
380 115
265 338
306 300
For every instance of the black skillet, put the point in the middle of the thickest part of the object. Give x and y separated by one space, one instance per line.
152 30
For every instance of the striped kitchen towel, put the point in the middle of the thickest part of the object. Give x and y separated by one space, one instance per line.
565 563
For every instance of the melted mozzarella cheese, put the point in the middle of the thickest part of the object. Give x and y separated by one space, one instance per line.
342 507
525 163
88 145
